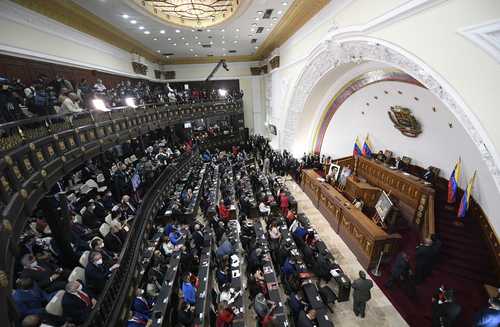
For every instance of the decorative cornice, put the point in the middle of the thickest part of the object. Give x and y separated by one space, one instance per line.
486 36
71 14
299 13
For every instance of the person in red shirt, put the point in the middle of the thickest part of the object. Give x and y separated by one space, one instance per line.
284 204
223 211
225 315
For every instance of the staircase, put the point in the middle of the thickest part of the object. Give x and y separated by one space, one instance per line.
465 253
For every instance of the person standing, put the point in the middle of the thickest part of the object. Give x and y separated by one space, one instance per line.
361 294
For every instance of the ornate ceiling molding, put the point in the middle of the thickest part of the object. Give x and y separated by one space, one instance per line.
332 54
72 15
486 36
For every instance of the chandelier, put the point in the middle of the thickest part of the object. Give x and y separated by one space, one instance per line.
191 13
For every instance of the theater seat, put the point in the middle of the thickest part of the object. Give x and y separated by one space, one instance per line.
77 274
104 229
84 259
54 307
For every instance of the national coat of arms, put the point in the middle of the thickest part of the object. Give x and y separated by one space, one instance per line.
403 120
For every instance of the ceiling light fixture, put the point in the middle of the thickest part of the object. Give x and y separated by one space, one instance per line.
155 39
187 43
256 18
260 12
158 51
280 12
133 21
182 38
125 16
177 31
147 32
169 39
174 44
162 32
222 30
223 42
196 38
284 3
237 30
141 27
252 30
208 31
235 41
191 50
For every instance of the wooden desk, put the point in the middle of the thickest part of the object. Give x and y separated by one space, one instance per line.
357 189
360 233
416 198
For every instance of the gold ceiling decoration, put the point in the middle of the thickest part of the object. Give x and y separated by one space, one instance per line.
191 13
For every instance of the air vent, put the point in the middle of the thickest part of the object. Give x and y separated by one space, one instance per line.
206 45
267 14
253 41
232 51
168 54
260 29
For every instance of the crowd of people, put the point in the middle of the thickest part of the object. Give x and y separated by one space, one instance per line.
72 244
44 96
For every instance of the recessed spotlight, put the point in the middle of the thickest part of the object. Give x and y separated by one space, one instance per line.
224 54
268 29
237 30
155 38
174 44
169 39
158 51
211 42
257 18
133 21
254 24
252 30
280 12
177 31
192 30
182 38
284 3
208 31
141 27
274 18
222 30
162 32
196 55
260 12
191 50
125 16
147 32
235 41
256 47
223 42
196 38
187 43
168 57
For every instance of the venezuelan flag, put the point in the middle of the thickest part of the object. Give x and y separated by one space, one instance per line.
367 151
453 182
464 204
357 149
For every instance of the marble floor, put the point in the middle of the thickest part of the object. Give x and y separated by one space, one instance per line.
379 311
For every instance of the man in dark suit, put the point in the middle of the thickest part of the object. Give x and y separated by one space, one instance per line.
399 164
306 319
89 218
96 273
423 260
76 303
400 269
361 294
450 310
47 277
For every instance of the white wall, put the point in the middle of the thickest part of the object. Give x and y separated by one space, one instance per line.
31 35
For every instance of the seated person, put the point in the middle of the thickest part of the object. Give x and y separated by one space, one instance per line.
48 277
29 299
225 249
264 209
399 164
306 319
76 303
140 304
380 156
489 317
96 273
188 291
223 211
114 240
225 315
185 315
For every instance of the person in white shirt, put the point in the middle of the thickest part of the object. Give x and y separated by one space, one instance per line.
69 104
264 209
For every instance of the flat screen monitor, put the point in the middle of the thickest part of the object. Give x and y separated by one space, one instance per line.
383 206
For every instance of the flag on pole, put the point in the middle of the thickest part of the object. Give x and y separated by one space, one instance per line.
357 148
367 151
453 182
465 202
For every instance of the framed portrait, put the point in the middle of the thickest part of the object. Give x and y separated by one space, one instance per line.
334 172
